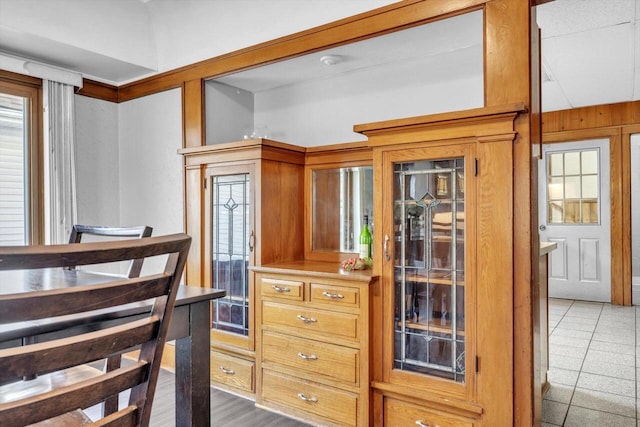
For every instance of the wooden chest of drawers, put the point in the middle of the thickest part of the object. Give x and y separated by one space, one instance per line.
313 342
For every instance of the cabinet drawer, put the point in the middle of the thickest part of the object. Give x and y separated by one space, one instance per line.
310 320
335 295
287 289
400 414
317 358
232 371
323 401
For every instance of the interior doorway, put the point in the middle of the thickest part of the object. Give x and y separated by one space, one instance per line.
574 212
635 218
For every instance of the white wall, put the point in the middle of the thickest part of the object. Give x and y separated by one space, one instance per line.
151 182
323 112
229 112
97 152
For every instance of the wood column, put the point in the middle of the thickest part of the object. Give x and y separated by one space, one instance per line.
511 53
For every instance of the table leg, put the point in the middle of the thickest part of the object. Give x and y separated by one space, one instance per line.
193 405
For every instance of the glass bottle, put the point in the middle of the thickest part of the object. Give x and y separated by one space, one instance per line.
365 240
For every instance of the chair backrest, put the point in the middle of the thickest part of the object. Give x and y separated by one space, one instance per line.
135 266
148 332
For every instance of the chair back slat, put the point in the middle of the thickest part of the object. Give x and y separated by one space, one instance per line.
81 395
146 330
78 231
54 303
46 357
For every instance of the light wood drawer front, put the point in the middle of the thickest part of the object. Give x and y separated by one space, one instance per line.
321 359
320 321
337 295
337 405
402 414
287 289
232 371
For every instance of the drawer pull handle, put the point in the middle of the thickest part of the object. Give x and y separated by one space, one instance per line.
280 290
306 319
309 357
227 371
311 399
419 423
332 296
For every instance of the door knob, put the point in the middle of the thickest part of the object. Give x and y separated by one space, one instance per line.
543 227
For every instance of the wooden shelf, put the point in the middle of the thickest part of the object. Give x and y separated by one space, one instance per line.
432 279
432 326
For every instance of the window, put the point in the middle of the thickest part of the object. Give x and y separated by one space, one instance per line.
573 187
21 215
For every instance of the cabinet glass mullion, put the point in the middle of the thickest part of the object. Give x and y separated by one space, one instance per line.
230 212
429 318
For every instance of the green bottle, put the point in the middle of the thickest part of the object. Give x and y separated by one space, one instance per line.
365 240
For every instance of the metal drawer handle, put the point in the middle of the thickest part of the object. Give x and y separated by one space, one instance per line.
227 371
332 296
306 319
309 357
311 399
419 423
279 289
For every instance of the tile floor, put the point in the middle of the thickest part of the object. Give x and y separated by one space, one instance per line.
594 365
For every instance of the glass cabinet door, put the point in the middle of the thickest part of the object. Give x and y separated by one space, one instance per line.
230 233
429 267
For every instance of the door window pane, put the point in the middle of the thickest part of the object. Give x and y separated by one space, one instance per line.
573 187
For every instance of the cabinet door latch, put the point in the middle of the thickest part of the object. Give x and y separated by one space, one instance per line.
475 168
204 183
477 364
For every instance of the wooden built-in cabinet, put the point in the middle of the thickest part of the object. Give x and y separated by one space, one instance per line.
313 342
442 350
244 204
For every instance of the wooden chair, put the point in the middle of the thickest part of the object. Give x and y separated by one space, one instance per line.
78 231
135 267
63 406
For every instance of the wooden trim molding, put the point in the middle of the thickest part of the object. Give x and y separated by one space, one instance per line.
597 116
98 90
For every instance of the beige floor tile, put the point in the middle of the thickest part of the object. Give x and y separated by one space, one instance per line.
582 417
563 376
560 393
612 347
611 357
565 362
606 402
554 412
609 370
605 337
606 384
567 350
559 331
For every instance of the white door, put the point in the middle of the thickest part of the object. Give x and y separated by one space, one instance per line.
574 212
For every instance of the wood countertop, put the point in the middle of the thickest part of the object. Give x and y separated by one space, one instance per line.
546 247
316 268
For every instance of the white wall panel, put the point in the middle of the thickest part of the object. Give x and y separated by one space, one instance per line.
97 170
151 182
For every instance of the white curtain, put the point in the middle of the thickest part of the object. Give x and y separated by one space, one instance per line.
60 161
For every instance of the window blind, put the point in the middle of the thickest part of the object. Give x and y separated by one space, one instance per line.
12 170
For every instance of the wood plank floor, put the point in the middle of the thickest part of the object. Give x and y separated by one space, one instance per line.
227 410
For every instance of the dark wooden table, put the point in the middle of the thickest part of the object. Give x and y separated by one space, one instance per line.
190 326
